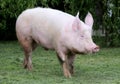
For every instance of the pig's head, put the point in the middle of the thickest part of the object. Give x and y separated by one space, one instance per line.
81 39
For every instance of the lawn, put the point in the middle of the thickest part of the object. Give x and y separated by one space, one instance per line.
99 68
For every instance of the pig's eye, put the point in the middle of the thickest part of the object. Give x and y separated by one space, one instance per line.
82 36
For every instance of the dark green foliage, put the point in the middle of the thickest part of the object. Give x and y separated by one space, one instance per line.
9 11
111 22
100 9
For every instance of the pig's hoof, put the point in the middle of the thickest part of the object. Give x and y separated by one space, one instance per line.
67 75
29 67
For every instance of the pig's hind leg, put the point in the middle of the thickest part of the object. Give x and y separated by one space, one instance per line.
28 45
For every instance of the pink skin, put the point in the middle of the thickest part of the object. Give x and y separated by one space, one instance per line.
68 35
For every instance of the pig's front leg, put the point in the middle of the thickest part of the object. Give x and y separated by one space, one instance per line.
71 58
65 64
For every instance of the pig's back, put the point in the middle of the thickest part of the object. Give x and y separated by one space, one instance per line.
43 23
47 17
44 20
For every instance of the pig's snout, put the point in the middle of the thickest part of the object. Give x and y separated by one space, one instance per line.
96 49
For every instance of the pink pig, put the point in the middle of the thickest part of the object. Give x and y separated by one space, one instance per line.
54 29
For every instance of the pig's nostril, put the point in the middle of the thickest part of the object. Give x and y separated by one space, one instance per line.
96 49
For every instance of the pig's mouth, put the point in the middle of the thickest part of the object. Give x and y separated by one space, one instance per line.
78 52
92 51
86 51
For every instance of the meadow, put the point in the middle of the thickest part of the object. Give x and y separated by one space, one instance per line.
99 68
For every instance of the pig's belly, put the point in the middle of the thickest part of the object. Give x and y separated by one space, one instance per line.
43 40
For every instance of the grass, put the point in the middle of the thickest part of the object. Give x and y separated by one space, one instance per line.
100 68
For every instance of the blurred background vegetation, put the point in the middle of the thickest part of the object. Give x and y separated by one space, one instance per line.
106 15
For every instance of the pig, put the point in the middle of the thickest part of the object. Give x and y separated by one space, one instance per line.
56 30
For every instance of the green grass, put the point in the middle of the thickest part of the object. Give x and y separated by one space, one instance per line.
100 68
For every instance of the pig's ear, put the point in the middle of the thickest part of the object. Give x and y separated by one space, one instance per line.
89 19
77 16
76 23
